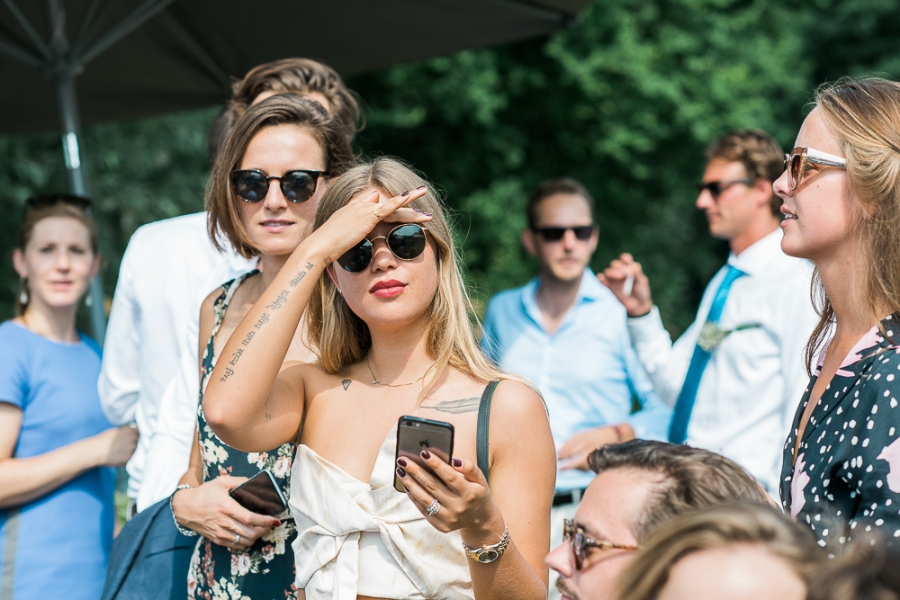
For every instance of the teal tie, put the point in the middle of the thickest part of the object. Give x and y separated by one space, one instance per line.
685 403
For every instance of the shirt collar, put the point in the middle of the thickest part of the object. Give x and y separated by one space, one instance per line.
758 255
589 290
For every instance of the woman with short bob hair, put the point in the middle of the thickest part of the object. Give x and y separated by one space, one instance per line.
841 192
389 319
741 551
262 196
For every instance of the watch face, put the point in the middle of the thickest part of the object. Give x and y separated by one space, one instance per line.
486 556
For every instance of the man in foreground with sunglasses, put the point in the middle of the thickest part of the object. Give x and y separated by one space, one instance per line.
567 333
736 375
639 485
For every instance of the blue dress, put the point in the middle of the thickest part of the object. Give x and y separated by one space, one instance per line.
60 541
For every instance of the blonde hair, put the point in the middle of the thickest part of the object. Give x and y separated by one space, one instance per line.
865 116
715 527
32 217
343 339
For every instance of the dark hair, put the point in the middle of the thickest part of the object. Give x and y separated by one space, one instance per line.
758 151
552 187
64 206
692 478
867 569
283 109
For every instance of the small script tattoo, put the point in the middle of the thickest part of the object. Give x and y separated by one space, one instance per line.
263 319
279 300
236 357
267 416
297 278
247 338
228 373
346 383
456 407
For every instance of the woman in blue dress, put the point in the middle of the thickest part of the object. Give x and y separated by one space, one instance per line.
57 449
263 193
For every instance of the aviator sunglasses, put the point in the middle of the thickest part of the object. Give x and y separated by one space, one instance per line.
795 163
406 242
581 541
554 234
252 185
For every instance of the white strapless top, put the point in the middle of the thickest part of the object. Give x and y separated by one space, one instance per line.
357 538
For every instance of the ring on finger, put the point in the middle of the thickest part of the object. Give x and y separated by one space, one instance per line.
378 213
433 508
236 540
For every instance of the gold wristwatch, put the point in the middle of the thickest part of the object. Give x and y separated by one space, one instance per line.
488 554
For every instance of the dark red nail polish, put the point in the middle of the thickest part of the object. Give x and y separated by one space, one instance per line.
406 193
421 187
276 523
401 472
426 454
457 462
401 462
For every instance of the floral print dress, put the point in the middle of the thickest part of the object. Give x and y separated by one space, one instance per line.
846 476
265 571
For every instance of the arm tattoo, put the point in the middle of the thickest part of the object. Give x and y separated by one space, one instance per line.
236 357
279 301
267 416
228 373
263 319
456 407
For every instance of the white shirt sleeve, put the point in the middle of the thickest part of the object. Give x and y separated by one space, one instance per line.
120 382
665 363
170 445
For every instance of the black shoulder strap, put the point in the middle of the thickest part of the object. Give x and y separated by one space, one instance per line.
482 445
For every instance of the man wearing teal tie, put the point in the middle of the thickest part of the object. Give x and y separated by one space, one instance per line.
736 375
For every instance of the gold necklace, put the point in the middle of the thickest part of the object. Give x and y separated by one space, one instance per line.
376 382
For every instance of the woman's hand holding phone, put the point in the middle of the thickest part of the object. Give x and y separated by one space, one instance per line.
213 513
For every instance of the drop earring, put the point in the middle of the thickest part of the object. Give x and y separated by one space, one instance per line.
23 295
88 300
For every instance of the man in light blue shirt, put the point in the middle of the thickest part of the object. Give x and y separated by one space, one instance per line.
567 333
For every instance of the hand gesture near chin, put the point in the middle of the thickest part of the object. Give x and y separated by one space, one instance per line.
351 223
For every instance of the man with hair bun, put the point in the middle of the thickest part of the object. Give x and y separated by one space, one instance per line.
736 373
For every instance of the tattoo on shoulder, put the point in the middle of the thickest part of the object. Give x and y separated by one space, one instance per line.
455 407
346 383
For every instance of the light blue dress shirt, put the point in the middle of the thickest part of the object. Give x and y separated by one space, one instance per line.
587 370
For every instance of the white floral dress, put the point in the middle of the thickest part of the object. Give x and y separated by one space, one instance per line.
265 571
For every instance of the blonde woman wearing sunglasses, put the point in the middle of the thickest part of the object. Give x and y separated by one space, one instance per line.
389 317
841 191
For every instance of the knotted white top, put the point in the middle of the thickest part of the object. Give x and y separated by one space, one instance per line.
358 538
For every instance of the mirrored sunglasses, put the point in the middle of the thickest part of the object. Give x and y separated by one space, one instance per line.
406 242
252 185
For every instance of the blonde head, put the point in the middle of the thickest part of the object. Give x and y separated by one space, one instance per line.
342 338
865 116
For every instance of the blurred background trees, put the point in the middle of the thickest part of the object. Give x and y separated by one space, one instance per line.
625 101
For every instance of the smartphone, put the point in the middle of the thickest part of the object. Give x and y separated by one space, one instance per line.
260 494
414 435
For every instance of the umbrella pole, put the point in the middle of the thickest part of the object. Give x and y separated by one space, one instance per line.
71 131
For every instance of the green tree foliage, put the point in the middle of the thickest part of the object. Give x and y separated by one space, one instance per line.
624 101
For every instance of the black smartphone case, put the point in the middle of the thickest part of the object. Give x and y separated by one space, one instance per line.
415 434
260 494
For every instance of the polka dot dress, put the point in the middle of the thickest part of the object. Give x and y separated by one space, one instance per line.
847 474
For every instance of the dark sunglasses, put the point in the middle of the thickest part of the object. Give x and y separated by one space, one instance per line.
581 541
48 200
715 188
406 242
795 163
554 234
252 185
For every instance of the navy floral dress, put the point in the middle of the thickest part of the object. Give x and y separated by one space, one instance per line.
847 474
265 571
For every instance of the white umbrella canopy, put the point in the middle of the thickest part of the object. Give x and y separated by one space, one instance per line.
136 58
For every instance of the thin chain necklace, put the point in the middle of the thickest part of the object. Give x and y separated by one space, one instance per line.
376 382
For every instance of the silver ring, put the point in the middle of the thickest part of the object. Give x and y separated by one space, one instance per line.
378 213
236 540
433 508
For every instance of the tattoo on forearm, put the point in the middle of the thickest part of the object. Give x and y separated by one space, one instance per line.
235 357
297 278
263 319
346 383
228 373
279 301
247 338
463 405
